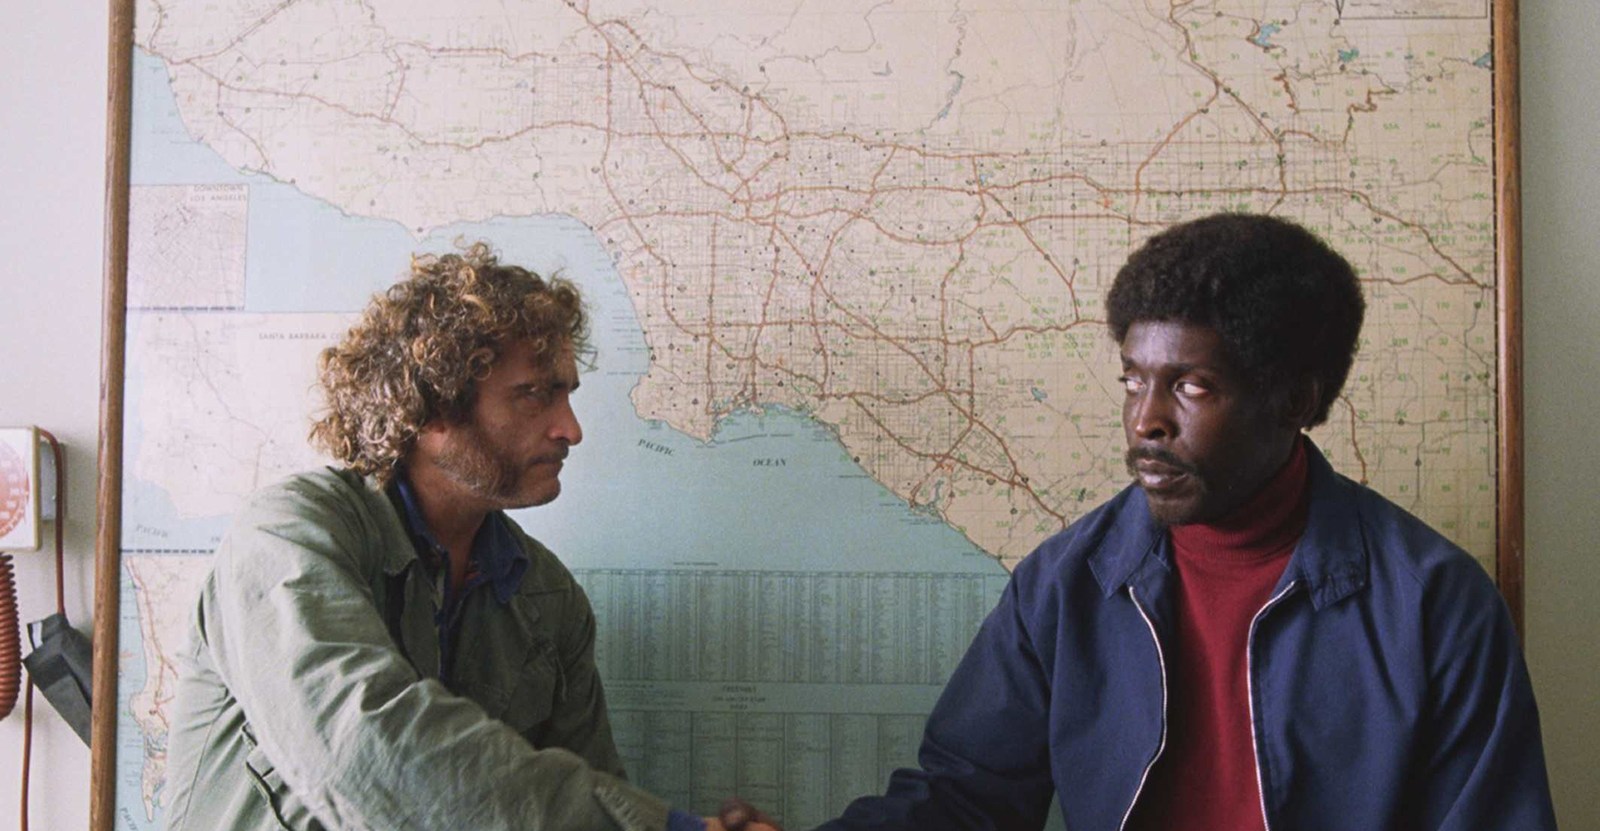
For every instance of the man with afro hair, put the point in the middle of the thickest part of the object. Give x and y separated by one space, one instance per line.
1242 639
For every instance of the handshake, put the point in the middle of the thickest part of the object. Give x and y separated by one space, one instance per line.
738 815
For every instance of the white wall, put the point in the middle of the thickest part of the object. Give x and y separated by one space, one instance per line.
1561 295
52 91
52 156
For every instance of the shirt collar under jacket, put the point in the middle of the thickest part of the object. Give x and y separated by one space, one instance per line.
496 554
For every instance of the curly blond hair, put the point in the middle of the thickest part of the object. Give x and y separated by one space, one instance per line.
421 346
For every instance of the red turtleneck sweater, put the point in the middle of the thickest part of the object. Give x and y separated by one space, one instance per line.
1206 780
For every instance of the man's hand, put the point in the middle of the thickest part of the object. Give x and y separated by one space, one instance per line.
738 815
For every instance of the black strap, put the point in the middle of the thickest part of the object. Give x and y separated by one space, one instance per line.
61 666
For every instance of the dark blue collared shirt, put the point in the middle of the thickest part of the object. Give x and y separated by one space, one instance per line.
496 559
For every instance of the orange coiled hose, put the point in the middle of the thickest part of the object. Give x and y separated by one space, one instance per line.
10 639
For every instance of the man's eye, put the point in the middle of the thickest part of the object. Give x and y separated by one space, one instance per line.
1191 389
1130 384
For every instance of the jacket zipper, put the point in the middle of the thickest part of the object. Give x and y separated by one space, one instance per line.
1162 745
1250 694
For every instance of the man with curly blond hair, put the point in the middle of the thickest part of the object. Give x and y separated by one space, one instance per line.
378 646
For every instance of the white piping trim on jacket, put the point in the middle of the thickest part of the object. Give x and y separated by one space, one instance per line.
1162 745
1250 694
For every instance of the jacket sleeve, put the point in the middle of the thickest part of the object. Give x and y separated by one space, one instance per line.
984 762
1482 759
351 728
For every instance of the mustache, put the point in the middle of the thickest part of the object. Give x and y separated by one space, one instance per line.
1156 454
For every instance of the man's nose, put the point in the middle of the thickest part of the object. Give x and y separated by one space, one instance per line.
1150 415
564 424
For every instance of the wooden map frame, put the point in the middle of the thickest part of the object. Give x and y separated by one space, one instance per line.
1509 552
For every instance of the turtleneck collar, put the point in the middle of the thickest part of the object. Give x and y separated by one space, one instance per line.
1267 525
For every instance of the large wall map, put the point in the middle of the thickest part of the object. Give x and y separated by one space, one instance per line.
847 263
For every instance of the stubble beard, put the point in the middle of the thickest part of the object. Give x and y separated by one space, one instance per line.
1165 514
472 462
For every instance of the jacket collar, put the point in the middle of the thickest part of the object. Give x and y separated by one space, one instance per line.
1330 560
399 547
496 554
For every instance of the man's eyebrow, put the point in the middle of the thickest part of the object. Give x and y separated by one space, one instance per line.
554 384
1177 368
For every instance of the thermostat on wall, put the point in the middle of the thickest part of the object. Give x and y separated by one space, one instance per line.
19 488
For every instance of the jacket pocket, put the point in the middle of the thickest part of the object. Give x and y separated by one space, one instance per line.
525 698
534 699
290 812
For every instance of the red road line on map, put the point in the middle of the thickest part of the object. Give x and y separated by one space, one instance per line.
1355 443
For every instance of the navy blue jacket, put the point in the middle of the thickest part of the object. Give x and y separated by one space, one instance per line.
1387 688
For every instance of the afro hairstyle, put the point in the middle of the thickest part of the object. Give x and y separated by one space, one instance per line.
1287 307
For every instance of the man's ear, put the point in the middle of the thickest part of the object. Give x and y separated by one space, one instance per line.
1300 406
429 435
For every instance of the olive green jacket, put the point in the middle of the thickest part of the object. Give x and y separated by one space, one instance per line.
308 697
